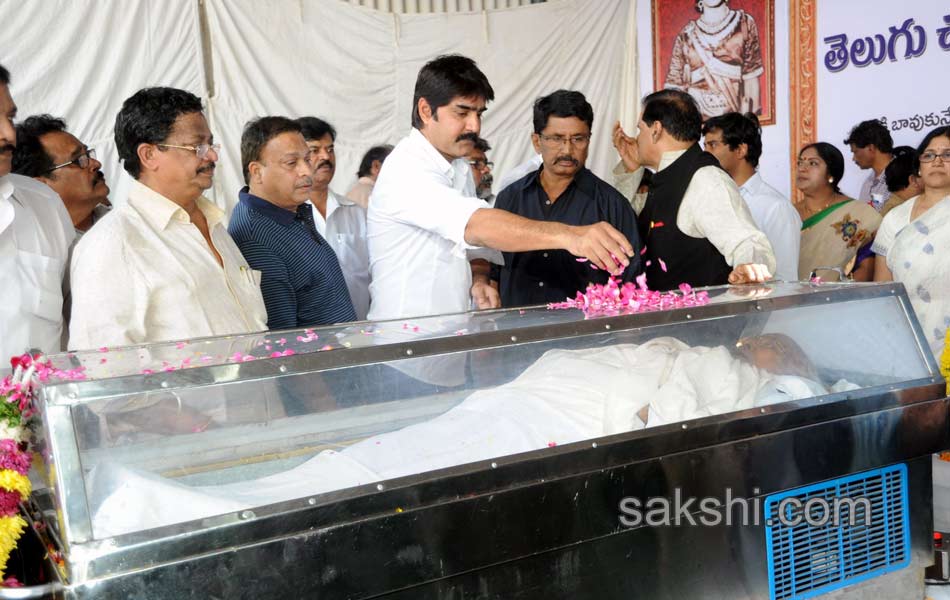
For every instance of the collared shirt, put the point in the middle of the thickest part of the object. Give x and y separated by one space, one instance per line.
544 276
778 220
145 273
361 190
35 235
300 276
518 172
712 208
874 190
345 229
420 206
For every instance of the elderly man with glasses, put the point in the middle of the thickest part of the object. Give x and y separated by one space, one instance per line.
481 170
161 266
52 155
35 235
562 190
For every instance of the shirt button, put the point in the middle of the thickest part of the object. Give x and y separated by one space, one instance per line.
540 284
548 202
545 255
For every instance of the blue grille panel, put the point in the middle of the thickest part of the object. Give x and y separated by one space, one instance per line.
859 530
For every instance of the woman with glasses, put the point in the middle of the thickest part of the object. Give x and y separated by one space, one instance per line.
834 226
914 241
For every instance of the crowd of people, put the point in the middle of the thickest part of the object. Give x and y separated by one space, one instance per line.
422 231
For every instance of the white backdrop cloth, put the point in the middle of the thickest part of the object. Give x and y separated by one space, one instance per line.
80 59
356 68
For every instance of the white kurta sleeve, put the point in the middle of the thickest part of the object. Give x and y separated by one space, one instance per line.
713 209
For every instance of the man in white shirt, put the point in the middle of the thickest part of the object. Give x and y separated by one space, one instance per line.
367 173
736 141
425 221
694 225
341 221
162 266
35 235
872 147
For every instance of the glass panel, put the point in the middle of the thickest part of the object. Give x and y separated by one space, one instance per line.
158 458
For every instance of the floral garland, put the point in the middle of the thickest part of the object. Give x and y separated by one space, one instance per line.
16 409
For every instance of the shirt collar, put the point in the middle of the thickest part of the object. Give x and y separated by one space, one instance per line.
265 208
424 145
159 211
583 180
669 158
6 188
751 186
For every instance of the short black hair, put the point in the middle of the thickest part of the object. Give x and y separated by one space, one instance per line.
738 129
904 164
147 117
870 132
562 103
482 145
373 154
256 134
4 76
676 111
833 158
313 128
30 157
938 132
446 77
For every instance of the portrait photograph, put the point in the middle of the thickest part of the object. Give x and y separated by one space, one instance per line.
721 52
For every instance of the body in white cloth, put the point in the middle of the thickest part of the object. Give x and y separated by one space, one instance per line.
566 396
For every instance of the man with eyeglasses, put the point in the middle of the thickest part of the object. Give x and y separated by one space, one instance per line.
341 221
52 155
273 225
562 190
161 266
428 232
35 235
481 170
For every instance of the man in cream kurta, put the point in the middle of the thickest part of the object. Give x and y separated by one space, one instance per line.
162 266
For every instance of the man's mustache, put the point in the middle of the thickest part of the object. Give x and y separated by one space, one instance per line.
567 158
7 148
207 168
323 163
471 137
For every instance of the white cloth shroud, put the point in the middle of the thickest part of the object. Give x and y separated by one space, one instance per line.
565 396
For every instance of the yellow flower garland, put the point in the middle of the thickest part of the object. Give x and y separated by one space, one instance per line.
11 528
14 482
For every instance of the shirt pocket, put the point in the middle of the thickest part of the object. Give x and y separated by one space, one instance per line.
41 278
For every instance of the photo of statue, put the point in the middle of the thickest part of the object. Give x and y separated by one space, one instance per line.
719 52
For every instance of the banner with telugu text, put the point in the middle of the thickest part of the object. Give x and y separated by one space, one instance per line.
884 60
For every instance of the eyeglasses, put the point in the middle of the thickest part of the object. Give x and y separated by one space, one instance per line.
930 156
556 141
808 163
481 164
201 150
81 161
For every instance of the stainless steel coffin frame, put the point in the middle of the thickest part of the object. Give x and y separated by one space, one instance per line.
103 560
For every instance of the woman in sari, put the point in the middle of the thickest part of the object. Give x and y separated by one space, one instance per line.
834 227
913 243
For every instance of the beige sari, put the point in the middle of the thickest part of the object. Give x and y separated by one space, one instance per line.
832 238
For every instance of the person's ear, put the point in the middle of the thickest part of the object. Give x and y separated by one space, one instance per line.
254 169
425 111
656 131
536 142
742 151
148 156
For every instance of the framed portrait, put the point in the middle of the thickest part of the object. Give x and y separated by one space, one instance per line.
721 52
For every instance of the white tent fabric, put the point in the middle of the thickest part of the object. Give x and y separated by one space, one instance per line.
356 68
80 59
